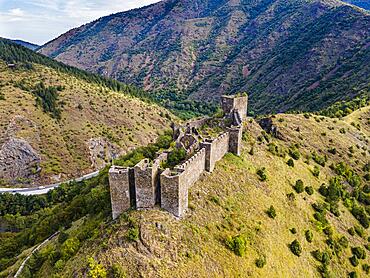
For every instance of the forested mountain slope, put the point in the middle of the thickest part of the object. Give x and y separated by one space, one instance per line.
288 54
57 122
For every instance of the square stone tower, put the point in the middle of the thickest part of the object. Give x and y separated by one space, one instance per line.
232 103
119 182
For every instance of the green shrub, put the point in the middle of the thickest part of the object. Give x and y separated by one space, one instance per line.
299 186
271 212
59 265
296 248
69 248
343 241
237 244
96 270
366 268
359 231
276 150
293 231
360 214
321 160
328 231
175 157
351 231
322 257
63 236
261 262
216 200
321 217
290 162
359 252
354 261
262 174
133 234
294 153
352 274
316 171
117 271
309 236
333 192
334 209
309 190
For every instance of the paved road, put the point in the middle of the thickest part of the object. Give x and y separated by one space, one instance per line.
45 189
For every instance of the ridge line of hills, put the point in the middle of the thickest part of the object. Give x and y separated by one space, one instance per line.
288 55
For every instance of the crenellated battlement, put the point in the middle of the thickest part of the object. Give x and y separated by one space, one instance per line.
188 162
146 185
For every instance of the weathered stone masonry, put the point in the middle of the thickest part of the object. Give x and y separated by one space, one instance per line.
144 186
147 185
119 182
175 184
215 150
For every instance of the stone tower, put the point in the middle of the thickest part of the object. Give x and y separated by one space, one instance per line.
235 104
119 182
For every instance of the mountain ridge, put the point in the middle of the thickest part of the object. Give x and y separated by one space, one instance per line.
281 52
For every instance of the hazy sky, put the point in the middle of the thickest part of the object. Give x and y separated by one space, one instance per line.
39 21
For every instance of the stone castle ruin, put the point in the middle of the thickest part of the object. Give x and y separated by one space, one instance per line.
147 185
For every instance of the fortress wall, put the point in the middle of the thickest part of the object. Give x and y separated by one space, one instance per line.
235 139
147 182
174 195
215 150
175 184
119 181
193 168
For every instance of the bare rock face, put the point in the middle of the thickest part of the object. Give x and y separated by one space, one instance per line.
18 161
267 124
102 152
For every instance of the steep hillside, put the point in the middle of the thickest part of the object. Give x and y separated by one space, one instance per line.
289 55
244 217
57 123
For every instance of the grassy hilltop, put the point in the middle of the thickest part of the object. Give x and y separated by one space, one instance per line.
293 205
74 121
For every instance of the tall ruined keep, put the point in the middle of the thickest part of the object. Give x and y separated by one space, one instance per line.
147 185
235 107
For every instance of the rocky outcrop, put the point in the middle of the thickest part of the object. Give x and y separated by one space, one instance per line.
102 152
267 125
19 162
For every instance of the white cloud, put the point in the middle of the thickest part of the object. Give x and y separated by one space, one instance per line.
16 12
39 21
